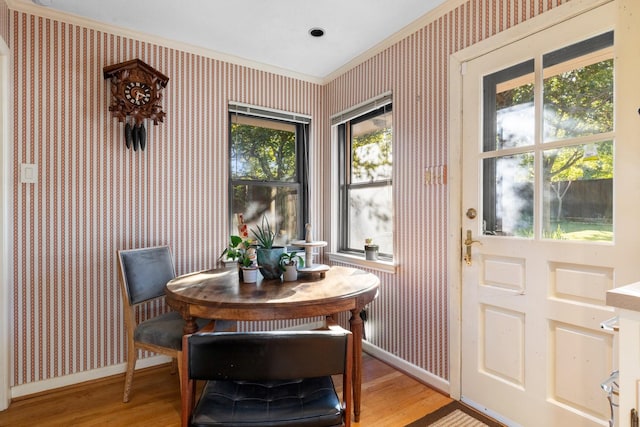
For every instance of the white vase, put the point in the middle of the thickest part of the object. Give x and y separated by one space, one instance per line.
249 275
290 273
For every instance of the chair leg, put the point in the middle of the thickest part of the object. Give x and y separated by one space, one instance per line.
132 355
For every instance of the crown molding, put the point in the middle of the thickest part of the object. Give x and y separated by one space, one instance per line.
400 35
27 6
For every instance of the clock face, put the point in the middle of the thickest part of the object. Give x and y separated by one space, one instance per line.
137 93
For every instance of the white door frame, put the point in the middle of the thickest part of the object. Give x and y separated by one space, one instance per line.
456 70
6 205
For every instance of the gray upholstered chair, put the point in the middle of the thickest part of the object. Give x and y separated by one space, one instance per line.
143 275
278 378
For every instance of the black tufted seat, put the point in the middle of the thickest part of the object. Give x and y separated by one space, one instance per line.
280 378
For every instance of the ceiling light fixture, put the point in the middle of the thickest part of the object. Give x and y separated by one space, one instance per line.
316 32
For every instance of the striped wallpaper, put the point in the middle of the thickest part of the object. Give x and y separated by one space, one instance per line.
93 196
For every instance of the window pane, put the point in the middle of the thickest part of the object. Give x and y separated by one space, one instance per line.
508 195
366 173
575 197
371 154
508 108
278 204
578 96
370 216
578 192
263 150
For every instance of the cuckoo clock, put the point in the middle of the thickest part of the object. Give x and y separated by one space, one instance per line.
136 92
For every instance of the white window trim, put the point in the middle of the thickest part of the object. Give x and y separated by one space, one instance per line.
359 260
361 109
268 113
6 227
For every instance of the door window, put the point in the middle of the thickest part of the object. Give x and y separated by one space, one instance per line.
554 132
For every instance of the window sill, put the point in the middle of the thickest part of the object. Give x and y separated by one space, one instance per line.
383 266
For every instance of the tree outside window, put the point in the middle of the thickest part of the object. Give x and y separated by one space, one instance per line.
366 182
266 179
575 147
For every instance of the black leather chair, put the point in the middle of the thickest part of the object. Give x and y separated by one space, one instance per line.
267 379
143 274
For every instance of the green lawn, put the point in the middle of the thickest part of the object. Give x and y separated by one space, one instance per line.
584 231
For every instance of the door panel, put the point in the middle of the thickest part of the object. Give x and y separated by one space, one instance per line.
534 165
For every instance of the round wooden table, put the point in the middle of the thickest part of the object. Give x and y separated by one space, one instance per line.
218 294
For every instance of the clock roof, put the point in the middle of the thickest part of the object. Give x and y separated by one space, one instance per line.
115 69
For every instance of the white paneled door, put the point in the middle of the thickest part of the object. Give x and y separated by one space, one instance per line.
543 178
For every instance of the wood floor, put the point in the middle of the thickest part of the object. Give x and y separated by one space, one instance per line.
389 399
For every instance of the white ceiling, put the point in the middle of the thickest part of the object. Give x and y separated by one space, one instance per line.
270 32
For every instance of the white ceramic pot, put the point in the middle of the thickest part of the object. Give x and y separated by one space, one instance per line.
371 252
290 273
249 275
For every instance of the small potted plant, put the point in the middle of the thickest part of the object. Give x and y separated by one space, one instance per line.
236 248
268 254
370 250
249 265
289 263
241 251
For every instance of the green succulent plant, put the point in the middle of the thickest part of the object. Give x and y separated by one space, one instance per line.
264 234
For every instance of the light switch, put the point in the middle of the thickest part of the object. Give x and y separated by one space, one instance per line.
427 176
435 175
28 173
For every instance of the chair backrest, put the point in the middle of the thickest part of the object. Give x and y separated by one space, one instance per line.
144 272
266 356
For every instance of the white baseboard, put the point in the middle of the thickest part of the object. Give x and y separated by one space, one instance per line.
411 369
95 374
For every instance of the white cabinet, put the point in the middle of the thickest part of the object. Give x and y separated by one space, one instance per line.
626 300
